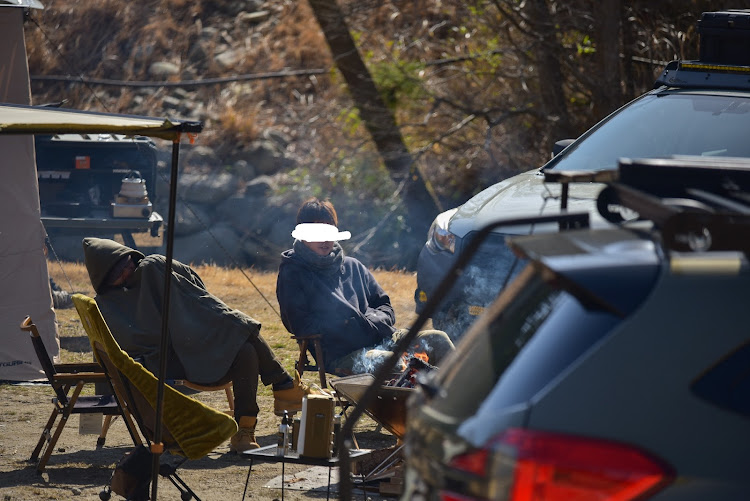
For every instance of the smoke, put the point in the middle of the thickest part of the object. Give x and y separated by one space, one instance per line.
479 285
367 360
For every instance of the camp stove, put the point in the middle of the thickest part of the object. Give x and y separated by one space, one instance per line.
132 200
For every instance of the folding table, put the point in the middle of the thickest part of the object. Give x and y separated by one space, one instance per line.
267 454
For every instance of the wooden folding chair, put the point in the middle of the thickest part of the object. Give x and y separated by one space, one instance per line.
190 428
67 381
312 345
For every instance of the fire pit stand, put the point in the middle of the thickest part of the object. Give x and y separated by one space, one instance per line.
388 410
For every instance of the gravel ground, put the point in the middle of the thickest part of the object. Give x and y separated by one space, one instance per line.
78 471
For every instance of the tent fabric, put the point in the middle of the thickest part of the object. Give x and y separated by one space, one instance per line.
23 267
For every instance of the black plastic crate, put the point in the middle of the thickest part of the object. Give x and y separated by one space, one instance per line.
725 37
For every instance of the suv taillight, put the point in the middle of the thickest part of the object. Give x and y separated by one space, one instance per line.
550 467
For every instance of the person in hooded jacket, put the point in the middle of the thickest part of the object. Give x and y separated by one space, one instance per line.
322 291
210 343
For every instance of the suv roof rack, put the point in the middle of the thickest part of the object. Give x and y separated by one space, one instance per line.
698 203
701 75
724 61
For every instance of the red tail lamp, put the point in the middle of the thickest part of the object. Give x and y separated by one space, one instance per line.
556 467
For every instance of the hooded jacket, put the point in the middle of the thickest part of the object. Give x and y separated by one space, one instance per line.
205 333
346 306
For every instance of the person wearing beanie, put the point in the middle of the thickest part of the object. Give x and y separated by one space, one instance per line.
323 292
210 343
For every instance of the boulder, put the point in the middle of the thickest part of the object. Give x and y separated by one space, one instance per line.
206 188
218 245
189 219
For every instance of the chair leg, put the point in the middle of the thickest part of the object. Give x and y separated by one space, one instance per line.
58 430
127 418
170 472
230 398
302 361
105 428
321 366
322 375
46 432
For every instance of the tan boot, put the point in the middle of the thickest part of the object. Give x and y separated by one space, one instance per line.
244 439
290 400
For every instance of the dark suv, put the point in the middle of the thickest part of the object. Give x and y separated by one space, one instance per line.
616 365
696 108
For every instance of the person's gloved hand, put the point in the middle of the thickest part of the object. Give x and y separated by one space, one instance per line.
398 335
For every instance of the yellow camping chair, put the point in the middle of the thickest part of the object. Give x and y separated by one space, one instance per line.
189 387
190 428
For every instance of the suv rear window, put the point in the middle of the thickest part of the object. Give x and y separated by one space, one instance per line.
530 335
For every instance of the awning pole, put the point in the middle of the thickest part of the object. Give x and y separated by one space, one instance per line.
156 451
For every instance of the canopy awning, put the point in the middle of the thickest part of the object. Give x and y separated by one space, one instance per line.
27 4
19 119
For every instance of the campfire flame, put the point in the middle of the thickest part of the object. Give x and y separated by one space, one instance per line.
409 369
404 362
422 356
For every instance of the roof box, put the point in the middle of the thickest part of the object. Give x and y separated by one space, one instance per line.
725 37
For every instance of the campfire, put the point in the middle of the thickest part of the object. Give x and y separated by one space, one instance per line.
389 408
411 366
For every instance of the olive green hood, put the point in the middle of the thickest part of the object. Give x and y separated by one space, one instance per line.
100 255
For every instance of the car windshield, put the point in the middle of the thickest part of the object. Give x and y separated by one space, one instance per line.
661 125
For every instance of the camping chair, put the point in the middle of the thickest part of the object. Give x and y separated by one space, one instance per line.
312 345
189 387
190 428
63 378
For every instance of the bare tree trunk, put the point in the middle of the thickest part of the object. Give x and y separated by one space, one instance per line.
547 55
608 96
420 205
629 74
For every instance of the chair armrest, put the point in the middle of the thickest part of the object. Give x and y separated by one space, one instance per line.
199 387
86 377
311 336
78 367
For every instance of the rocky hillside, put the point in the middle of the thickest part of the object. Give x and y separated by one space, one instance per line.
480 90
258 74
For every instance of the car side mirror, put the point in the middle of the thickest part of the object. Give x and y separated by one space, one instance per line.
561 145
